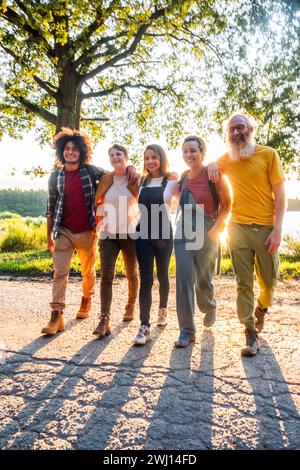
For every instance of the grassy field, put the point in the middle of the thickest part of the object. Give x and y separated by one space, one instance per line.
39 262
23 251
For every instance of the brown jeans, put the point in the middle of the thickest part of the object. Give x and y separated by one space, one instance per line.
109 251
85 243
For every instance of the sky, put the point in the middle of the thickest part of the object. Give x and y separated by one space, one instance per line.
17 155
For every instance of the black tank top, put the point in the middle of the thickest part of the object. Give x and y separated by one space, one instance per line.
154 212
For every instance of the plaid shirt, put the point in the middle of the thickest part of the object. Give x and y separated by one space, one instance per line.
56 187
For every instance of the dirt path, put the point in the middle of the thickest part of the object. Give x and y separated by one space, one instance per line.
74 392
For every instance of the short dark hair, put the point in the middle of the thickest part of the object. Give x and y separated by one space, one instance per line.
80 139
199 140
119 147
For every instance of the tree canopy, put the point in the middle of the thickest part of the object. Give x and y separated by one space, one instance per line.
138 68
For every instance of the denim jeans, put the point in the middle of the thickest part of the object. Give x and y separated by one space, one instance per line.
147 250
194 269
109 251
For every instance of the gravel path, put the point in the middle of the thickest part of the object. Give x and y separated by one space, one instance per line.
73 391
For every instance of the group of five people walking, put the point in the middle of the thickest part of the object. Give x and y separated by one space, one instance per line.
132 215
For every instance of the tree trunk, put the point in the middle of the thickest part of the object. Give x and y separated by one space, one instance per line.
68 101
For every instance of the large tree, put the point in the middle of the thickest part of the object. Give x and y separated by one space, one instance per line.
58 56
120 64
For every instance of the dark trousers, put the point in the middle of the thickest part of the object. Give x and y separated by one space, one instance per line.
109 251
147 251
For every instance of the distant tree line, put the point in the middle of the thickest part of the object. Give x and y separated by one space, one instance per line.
26 203
33 203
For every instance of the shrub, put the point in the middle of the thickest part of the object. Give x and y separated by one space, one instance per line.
292 244
19 235
9 215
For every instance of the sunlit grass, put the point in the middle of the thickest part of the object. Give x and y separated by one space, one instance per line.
19 235
23 251
37 262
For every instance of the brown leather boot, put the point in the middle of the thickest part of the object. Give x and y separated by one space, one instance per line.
260 314
102 329
251 347
55 324
129 312
85 308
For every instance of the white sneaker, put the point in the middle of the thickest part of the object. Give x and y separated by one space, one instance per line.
162 317
143 335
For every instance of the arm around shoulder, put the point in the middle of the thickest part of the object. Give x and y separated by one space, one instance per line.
213 171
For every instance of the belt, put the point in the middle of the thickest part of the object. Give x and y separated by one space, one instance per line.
256 227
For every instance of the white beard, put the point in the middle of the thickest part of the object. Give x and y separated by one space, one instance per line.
242 150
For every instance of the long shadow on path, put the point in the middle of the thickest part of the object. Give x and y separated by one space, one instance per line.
183 414
41 407
91 430
98 432
277 415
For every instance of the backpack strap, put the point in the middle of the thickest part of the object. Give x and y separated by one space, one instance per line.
164 182
92 173
53 180
212 187
144 181
215 194
182 179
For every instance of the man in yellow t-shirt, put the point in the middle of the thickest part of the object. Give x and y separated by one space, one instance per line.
259 203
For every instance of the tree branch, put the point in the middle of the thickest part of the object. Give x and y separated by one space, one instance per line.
34 108
137 39
130 99
48 87
98 21
88 53
99 55
26 11
128 64
88 32
95 119
43 84
185 30
123 86
206 42
12 17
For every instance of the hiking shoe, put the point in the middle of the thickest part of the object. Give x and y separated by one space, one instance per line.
209 319
259 314
102 329
84 309
162 317
129 312
251 347
184 340
55 324
143 336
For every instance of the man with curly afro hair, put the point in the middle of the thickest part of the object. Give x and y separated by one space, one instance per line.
71 221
